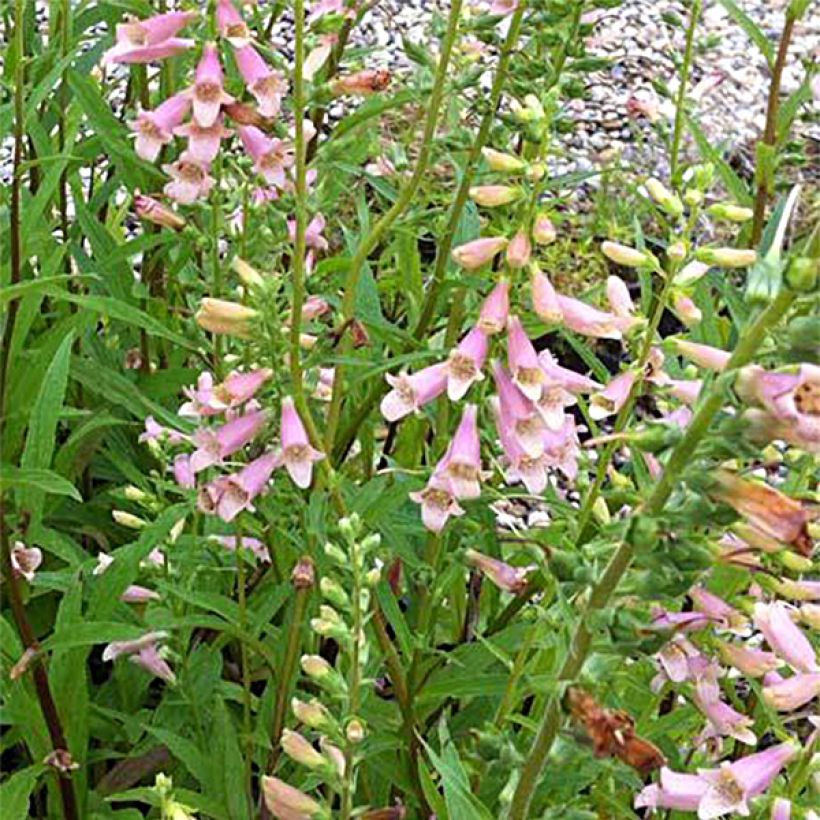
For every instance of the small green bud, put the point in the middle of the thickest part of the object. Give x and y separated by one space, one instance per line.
133 493
793 561
692 197
665 199
600 511
126 519
677 251
313 714
730 212
350 526
336 553
624 255
802 274
333 592
727 257
371 542
355 731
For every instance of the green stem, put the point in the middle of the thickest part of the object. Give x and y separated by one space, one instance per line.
244 660
605 587
216 267
405 197
680 102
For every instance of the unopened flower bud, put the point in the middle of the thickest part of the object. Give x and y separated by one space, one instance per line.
691 272
536 172
350 526
135 494
727 257
519 251
692 197
371 542
810 614
600 511
373 577
154 211
176 530
336 553
366 82
222 317
334 754
126 519
492 196
677 251
334 593
303 575
686 309
663 197
533 105
543 231
730 212
247 273
505 163
355 731
284 800
794 562
301 751
624 255
312 714
802 274
473 255
315 666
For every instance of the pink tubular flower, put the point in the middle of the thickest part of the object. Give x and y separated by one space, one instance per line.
286 802
190 180
781 809
297 454
493 316
153 210
680 660
519 251
25 561
732 785
231 25
465 362
664 619
313 233
144 652
472 255
763 427
227 496
686 310
501 8
711 358
324 384
505 577
562 448
229 542
438 503
784 637
213 446
724 720
208 399
411 392
136 594
519 413
183 474
544 298
208 92
532 472
266 85
675 790
716 608
203 141
461 464
613 397
588 321
754 663
685 390
271 158
788 694
155 128
145 41
572 381
617 294
523 361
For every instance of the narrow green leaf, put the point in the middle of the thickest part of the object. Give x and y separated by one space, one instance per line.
44 481
16 792
750 28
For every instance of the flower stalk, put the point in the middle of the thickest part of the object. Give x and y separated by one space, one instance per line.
680 102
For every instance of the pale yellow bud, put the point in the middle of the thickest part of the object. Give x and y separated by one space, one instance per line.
505 163
248 274
624 255
727 257
222 317
126 519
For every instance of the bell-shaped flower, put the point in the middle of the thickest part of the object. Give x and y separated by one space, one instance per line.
222 317
231 25
589 321
532 472
519 251
149 40
732 785
152 210
461 464
472 255
25 561
135 594
754 663
496 308
562 448
203 141
675 790
319 55
412 392
183 473
297 454
543 231
505 577
710 358
267 86
153 129
208 92
523 361
617 294
684 307
190 180
723 719
230 542
313 233
613 397
438 503
781 809
789 694
520 413
144 652
680 660
465 362
286 802
716 608
271 157
544 297
214 446
784 637
572 381
227 496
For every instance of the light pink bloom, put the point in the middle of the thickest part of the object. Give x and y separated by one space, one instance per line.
551 403
588 321
523 361
412 392
25 561
543 231
203 141
465 362
711 358
190 180
545 298
686 310
732 785
149 40
461 464
502 7
324 384
438 503
724 720
271 157
323 7
152 210
313 233
679 621
266 85
136 594
208 92
318 56
617 294
208 399
297 454
763 427
572 381
183 474
214 446
519 412
781 809
144 652
716 608
155 128
231 25
788 694
229 542
519 251
754 663
314 307
613 397
472 255
685 390
227 496
675 790
287 803
532 472
784 637
494 312
505 577
680 660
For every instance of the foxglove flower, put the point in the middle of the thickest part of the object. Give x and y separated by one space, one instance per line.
25 561
617 294
496 308
543 231
231 25
144 652
229 542
754 663
519 413
532 472
545 298
267 86
491 196
572 381
153 129
319 55
680 660
716 608
505 577
313 233
222 317
588 321
208 93
562 448
784 637
297 454
679 791
724 720
519 251
227 496
686 310
284 801
679 621
136 594
613 397
711 358
465 362
271 157
685 390
190 180
208 399
781 808
183 473
203 141
438 503
788 694
149 40
461 465
732 785
523 361
624 255
478 252
153 210
214 446
411 392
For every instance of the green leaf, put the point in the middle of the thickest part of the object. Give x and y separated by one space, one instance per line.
387 602
16 792
736 186
461 803
184 750
750 28
45 481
